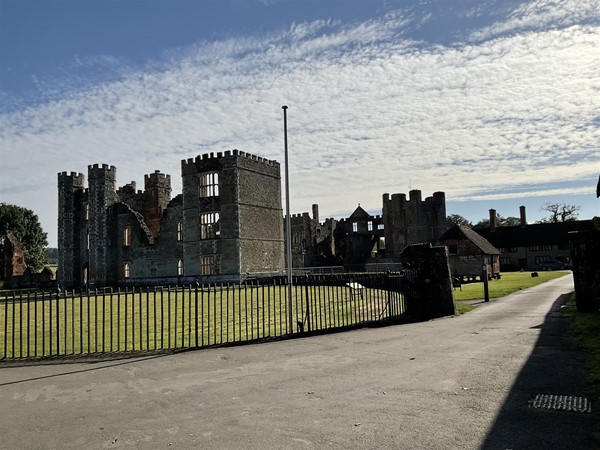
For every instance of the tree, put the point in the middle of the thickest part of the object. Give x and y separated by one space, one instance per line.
560 212
500 221
24 224
457 219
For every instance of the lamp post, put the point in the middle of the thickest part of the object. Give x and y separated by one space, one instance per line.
288 223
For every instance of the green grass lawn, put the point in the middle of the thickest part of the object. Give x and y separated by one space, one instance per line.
40 326
509 283
584 332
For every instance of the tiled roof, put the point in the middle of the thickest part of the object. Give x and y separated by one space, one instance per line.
360 213
534 234
461 232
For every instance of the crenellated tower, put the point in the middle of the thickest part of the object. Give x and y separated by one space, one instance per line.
157 196
102 195
70 220
232 215
413 220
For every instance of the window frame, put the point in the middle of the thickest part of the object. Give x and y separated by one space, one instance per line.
210 227
208 185
127 236
210 265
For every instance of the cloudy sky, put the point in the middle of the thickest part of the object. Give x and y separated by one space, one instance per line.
495 102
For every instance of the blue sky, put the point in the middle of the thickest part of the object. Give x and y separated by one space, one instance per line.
495 102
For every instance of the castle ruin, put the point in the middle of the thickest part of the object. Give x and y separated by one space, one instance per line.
226 224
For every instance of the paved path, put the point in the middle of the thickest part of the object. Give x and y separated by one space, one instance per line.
451 383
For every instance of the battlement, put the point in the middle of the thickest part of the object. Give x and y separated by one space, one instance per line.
399 201
157 179
74 179
128 189
207 161
102 172
300 215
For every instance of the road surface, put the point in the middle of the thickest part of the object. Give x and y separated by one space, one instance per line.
452 383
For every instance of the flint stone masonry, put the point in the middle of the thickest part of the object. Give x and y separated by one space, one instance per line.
110 236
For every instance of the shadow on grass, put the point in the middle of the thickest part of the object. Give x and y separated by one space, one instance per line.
554 367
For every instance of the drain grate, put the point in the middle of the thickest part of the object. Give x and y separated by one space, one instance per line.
561 403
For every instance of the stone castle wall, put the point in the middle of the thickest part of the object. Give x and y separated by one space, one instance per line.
117 236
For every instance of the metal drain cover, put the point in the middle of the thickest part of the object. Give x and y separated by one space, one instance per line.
561 403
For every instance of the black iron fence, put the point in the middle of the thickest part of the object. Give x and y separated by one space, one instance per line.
43 324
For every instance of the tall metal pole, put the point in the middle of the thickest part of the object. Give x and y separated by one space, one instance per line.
288 223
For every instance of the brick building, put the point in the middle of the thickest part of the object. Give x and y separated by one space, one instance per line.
226 224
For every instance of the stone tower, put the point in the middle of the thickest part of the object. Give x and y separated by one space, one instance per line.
70 223
157 196
232 215
101 194
412 221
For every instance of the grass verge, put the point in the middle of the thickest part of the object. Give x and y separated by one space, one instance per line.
509 283
584 332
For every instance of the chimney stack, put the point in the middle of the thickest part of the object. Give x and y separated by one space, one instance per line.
315 211
493 220
523 217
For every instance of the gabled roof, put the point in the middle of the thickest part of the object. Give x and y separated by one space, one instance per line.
459 232
534 234
360 213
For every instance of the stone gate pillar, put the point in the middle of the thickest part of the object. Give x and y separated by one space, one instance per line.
430 292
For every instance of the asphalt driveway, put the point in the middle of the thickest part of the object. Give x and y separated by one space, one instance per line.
461 382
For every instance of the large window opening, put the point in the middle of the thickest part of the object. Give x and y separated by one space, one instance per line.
209 226
209 184
211 265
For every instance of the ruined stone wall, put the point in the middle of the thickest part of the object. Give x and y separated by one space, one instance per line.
13 264
164 233
303 230
250 215
157 195
260 215
132 198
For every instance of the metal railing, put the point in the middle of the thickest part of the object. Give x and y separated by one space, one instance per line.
42 324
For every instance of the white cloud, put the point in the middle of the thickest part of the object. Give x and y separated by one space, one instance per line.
369 113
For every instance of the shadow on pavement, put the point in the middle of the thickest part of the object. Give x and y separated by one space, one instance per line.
554 367
93 365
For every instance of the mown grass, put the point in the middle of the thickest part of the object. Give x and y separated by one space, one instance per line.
97 323
584 332
462 308
509 283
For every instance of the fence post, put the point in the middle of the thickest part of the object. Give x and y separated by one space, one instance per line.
196 312
307 304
